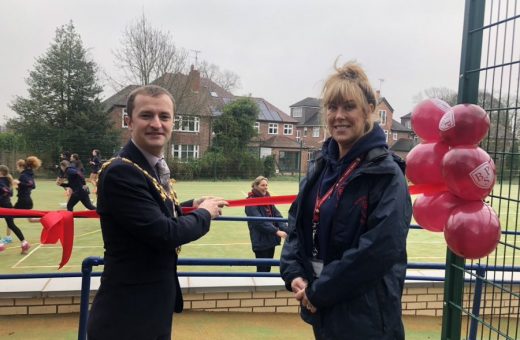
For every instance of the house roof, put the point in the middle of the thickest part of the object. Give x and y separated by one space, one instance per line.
407 116
313 120
403 144
267 112
383 99
396 126
309 101
118 99
216 94
278 141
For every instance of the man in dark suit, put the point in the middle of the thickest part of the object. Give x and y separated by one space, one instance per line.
142 228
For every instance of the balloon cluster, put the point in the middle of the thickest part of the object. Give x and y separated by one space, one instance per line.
460 173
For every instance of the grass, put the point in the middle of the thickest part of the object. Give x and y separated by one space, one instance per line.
203 325
225 239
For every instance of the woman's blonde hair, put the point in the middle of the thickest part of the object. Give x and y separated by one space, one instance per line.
4 170
257 181
349 83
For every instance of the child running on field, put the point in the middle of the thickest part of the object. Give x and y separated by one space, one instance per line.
6 191
26 181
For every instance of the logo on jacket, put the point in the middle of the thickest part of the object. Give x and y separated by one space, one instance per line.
362 204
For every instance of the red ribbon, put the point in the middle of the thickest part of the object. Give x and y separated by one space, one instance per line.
59 225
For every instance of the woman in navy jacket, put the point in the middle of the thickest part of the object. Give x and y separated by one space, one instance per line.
265 235
345 257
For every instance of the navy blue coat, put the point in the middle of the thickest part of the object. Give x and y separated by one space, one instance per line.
263 234
26 183
139 289
358 295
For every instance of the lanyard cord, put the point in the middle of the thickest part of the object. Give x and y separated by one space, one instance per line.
320 200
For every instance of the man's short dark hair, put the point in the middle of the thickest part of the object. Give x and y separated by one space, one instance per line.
146 90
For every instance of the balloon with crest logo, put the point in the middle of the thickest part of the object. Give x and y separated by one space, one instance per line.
426 117
464 124
469 172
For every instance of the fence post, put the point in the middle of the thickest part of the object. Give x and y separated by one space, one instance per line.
477 297
468 93
86 270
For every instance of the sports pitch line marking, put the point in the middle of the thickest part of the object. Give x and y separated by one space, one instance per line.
26 256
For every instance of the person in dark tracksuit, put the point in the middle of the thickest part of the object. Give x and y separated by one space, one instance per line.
265 235
76 182
6 191
25 182
345 255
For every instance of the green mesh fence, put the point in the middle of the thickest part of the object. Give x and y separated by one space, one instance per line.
482 296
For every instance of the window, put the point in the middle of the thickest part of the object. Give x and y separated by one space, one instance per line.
124 125
382 117
185 152
305 131
408 124
214 94
298 135
316 131
273 129
386 135
287 129
257 127
394 136
187 123
297 111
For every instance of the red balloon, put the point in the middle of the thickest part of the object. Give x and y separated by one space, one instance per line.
473 230
432 211
424 163
464 124
469 172
426 117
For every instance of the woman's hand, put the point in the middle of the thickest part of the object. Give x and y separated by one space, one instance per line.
281 234
302 297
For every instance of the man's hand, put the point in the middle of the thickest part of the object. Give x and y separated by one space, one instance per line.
198 201
213 206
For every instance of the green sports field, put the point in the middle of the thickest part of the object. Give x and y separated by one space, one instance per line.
225 239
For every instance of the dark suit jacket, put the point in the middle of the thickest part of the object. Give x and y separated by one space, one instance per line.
139 286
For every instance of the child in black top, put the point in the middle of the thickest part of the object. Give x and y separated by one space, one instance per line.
6 191
26 182
75 181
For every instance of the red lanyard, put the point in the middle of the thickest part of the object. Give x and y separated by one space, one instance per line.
339 182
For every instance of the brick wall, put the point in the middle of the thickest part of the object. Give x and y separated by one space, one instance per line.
419 298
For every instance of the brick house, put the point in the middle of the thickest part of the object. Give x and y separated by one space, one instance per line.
311 130
198 101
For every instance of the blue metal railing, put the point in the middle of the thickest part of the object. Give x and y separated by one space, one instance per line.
89 262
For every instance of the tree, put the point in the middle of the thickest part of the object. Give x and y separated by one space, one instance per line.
234 130
235 127
442 93
63 110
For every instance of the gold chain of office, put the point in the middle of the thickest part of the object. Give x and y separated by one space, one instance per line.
172 196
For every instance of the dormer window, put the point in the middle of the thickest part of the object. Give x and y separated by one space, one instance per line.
297 112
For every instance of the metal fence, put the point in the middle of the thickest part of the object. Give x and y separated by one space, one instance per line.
490 77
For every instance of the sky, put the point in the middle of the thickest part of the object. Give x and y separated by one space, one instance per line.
282 50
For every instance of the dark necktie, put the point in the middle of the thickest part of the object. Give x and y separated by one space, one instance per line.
164 174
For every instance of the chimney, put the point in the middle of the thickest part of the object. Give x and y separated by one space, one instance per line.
378 94
194 78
